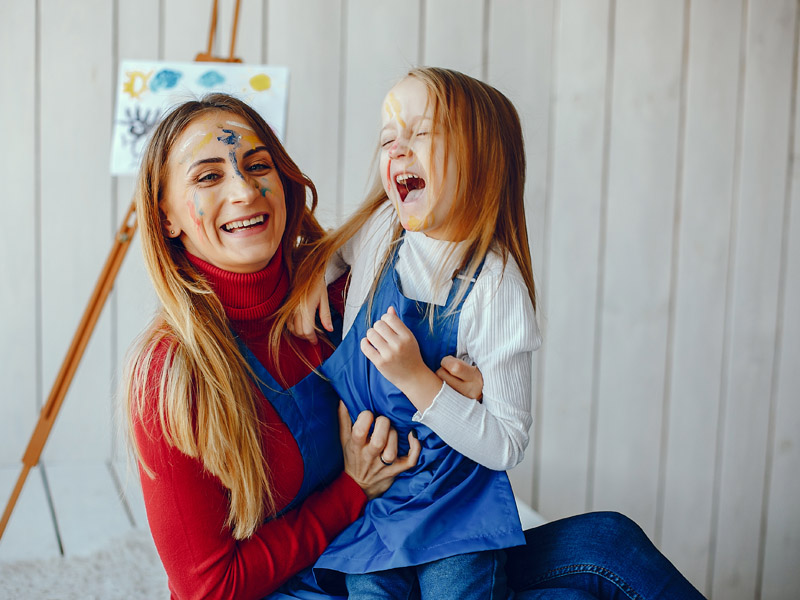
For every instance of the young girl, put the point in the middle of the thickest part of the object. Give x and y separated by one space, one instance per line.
439 264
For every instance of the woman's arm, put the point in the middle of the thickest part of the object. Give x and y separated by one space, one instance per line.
187 509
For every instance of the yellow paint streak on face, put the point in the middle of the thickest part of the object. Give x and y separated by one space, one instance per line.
253 140
393 108
202 143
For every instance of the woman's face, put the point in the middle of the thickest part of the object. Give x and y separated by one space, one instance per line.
412 161
224 197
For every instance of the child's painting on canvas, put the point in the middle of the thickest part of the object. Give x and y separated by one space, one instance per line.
146 89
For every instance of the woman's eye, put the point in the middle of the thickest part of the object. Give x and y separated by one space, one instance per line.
420 133
258 167
208 177
386 143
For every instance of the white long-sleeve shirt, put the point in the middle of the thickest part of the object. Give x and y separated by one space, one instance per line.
497 331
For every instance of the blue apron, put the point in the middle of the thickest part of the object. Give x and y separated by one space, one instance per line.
447 504
310 411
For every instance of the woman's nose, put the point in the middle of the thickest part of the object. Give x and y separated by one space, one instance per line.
240 189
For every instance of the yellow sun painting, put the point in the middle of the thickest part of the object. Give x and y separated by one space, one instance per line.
136 84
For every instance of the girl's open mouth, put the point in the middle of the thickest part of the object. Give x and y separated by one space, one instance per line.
409 185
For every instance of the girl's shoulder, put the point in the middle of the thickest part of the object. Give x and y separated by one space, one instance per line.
496 271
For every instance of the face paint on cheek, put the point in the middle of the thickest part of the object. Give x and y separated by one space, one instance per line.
261 190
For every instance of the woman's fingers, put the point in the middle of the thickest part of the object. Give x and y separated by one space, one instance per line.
389 452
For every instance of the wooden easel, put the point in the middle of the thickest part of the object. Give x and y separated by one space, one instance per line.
105 282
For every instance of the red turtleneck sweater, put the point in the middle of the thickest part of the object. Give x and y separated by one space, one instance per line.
187 507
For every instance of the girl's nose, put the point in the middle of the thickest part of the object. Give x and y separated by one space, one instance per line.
399 148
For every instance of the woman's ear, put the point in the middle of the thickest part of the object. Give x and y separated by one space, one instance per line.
170 230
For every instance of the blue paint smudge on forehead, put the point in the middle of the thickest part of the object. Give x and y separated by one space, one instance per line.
230 139
165 79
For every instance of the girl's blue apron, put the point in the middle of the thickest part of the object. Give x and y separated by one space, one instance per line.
446 505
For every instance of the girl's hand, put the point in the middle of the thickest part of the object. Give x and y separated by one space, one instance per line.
303 323
464 378
371 460
394 351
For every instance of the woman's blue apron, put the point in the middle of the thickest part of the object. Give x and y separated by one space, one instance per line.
310 411
447 504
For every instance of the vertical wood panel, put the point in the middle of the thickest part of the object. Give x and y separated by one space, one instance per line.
454 35
781 577
381 45
133 300
753 307
18 253
306 37
706 192
185 28
640 214
574 234
76 212
520 61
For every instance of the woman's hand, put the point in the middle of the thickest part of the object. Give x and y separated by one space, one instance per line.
303 323
371 460
464 378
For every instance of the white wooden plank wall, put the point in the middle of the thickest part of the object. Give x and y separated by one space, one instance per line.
663 212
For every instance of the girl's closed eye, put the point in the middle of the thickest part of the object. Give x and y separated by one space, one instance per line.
386 142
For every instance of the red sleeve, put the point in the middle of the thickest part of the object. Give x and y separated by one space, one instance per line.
187 509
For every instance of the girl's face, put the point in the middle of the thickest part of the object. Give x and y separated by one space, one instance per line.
412 165
224 197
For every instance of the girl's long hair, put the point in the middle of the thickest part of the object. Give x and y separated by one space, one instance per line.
482 128
205 399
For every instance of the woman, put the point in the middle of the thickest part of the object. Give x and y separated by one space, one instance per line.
239 454
223 217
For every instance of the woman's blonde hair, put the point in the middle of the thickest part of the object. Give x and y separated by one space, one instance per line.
482 128
206 402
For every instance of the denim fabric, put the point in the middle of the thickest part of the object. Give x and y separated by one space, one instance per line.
595 555
471 576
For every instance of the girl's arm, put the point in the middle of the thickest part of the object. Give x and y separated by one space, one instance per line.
498 332
499 329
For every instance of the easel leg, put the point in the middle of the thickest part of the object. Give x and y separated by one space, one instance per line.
75 352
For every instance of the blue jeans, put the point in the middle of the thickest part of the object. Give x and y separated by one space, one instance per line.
472 576
601 555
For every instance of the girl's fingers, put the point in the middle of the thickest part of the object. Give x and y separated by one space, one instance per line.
377 340
371 353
